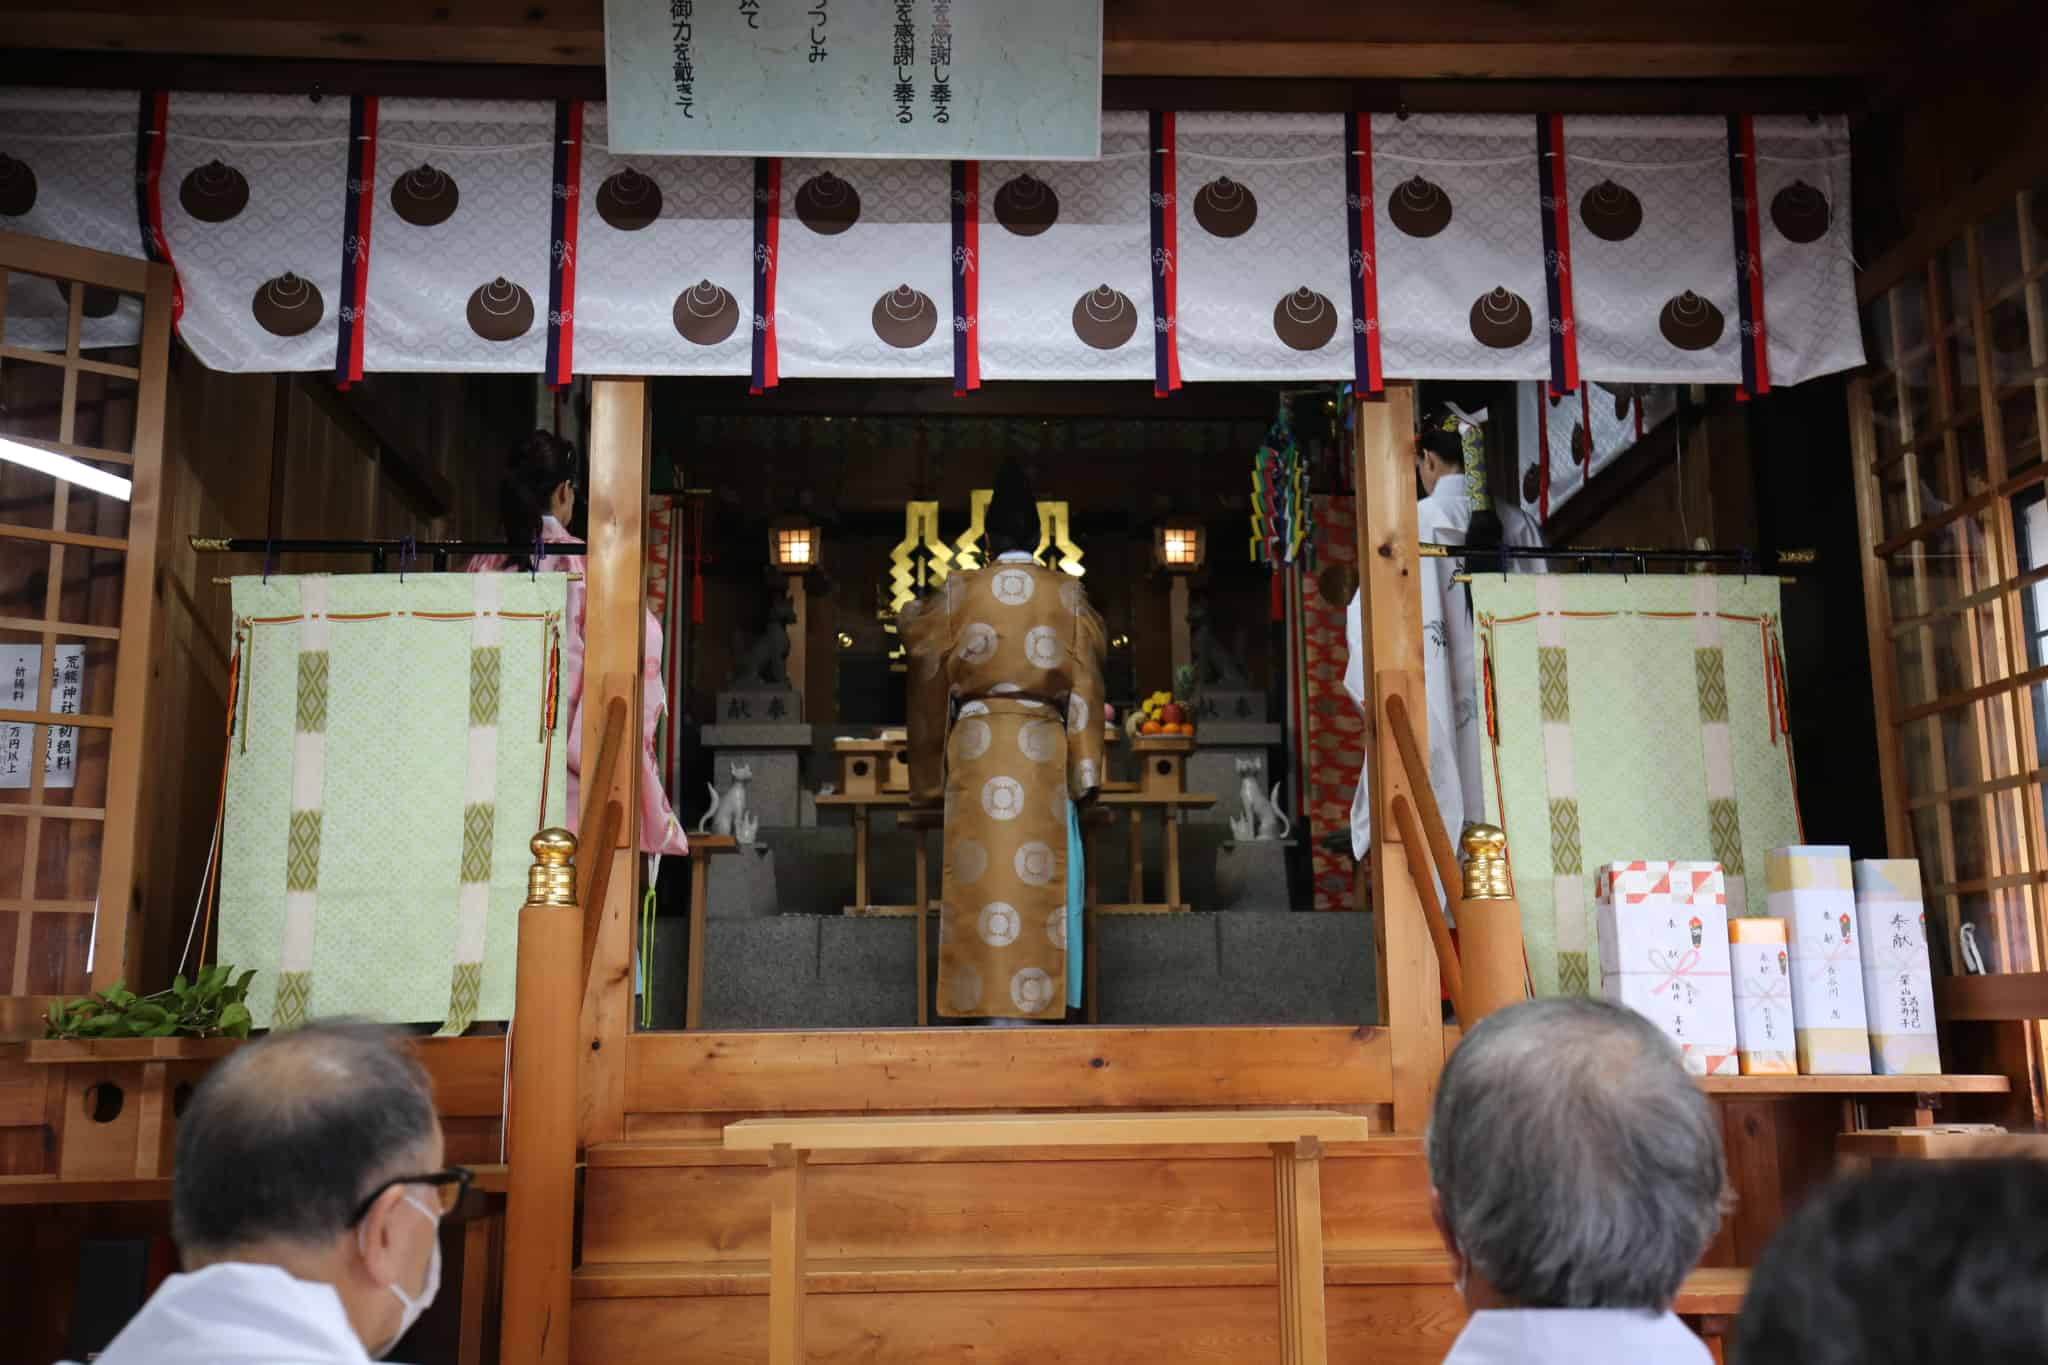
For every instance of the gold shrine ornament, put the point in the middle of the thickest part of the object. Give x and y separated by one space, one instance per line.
1487 876
909 573
923 559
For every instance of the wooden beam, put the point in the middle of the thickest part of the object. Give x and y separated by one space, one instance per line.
897 1070
1168 56
1391 635
332 77
2002 995
614 614
1489 39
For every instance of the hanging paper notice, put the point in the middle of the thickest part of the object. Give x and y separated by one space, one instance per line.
18 664
961 79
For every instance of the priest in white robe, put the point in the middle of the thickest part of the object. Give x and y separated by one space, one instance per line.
1450 693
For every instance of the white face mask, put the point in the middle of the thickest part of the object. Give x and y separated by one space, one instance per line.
413 1307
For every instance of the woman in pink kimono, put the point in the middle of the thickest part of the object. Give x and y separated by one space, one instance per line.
538 497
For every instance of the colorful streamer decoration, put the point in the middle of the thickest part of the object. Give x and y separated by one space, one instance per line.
1280 501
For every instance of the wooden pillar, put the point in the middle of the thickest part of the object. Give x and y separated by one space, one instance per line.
614 616
540 1131
1298 1249
118 931
799 636
785 1257
1177 624
1411 1002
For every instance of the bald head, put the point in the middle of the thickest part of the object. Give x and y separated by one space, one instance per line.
284 1139
1577 1164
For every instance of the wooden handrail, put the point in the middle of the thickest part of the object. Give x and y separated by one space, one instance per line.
541 1116
1440 847
602 819
1452 970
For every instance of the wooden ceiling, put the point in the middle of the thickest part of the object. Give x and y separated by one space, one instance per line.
1657 52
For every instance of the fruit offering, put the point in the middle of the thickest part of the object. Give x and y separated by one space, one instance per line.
1161 715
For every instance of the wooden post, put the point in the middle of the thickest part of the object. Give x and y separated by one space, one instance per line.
1491 955
1383 454
614 616
860 859
1177 624
700 893
1877 615
921 918
117 950
1298 1239
540 1130
785 1257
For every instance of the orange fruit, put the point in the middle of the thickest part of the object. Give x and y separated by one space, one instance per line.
1187 727
1151 727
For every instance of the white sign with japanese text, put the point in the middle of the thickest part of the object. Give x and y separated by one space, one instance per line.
940 79
18 665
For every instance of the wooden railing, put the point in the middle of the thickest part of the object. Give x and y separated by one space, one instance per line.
558 926
1486 969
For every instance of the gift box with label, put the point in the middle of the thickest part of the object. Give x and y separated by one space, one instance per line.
1762 971
1809 887
1664 954
1898 979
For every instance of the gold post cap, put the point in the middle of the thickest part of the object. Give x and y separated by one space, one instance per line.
1487 877
552 880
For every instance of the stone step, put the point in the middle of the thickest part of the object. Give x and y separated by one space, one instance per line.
838 971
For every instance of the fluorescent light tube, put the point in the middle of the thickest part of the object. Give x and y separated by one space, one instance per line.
65 468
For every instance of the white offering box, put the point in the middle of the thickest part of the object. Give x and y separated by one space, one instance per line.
1763 997
1898 980
1810 889
1664 954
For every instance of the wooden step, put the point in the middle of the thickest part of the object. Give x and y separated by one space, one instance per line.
1707 1292
1191 1309
669 1202
1203 1324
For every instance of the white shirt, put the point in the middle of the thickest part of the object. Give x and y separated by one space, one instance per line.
1450 694
239 1314
1577 1336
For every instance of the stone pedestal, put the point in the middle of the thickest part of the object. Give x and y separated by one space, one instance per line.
761 706
742 884
773 752
1212 768
1252 875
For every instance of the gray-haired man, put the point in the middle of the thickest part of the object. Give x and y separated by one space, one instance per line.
1576 1176
306 1204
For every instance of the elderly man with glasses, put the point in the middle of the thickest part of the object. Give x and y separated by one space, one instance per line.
306 1204
1577 1176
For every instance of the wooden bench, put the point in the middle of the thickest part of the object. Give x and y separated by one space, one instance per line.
1294 1137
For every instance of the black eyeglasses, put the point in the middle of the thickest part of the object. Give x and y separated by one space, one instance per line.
449 1187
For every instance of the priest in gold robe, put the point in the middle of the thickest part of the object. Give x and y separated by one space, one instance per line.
1006 723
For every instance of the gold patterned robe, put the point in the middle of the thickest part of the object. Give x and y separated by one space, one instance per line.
1016 647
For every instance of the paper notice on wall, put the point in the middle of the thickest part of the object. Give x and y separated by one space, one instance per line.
18 665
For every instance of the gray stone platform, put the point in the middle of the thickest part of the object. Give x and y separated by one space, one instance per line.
833 971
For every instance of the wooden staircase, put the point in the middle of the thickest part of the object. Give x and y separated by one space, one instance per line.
1136 1255
1133 1256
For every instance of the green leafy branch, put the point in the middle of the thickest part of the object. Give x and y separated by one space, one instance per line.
211 1007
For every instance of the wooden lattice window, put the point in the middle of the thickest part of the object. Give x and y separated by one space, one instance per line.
1948 424
83 346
